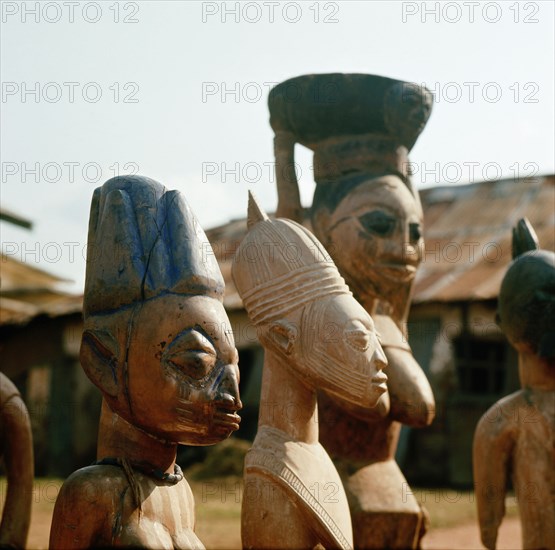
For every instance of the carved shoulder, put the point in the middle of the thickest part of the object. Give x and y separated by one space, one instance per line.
499 423
87 507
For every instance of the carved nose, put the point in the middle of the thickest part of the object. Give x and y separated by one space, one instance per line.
380 359
228 392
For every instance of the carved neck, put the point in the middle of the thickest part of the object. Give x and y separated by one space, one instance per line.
535 373
118 438
286 403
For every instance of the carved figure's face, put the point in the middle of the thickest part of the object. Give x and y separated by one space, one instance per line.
344 351
181 381
375 236
333 346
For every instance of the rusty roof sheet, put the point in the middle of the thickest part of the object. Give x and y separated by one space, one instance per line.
21 311
27 291
467 231
16 275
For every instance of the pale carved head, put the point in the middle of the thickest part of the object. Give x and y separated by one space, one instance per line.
305 313
157 341
526 303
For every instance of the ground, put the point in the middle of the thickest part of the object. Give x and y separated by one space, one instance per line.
452 513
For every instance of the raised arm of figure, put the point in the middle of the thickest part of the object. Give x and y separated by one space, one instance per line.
16 447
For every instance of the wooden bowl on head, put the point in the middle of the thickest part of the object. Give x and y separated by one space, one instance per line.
317 107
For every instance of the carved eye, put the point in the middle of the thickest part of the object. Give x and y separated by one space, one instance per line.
191 353
102 343
378 222
414 232
358 339
194 363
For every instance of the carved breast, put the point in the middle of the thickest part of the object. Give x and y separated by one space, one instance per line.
165 520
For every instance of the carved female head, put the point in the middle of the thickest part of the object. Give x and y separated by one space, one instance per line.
365 211
157 340
305 313
373 231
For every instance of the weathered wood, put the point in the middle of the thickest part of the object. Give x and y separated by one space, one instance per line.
16 448
315 336
158 344
515 439
368 216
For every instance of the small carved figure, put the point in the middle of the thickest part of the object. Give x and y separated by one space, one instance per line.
516 437
16 447
158 344
368 216
315 336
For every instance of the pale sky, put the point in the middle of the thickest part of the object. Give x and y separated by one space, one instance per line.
178 90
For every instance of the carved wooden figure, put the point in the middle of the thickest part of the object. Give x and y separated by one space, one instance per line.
315 336
16 448
516 437
368 216
158 344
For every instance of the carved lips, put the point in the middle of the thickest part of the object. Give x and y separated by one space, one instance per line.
401 273
226 418
380 381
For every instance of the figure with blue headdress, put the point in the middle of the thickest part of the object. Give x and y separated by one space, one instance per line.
158 344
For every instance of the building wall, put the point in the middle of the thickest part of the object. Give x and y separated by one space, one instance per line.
470 365
64 406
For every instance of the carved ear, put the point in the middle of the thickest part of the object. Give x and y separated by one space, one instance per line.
99 358
283 335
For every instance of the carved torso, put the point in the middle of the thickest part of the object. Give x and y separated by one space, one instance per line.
309 477
166 518
384 511
293 494
529 415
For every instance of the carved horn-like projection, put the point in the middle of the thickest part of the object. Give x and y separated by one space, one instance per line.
524 238
255 212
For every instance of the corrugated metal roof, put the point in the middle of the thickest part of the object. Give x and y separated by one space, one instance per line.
468 233
467 230
17 312
16 275
27 291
